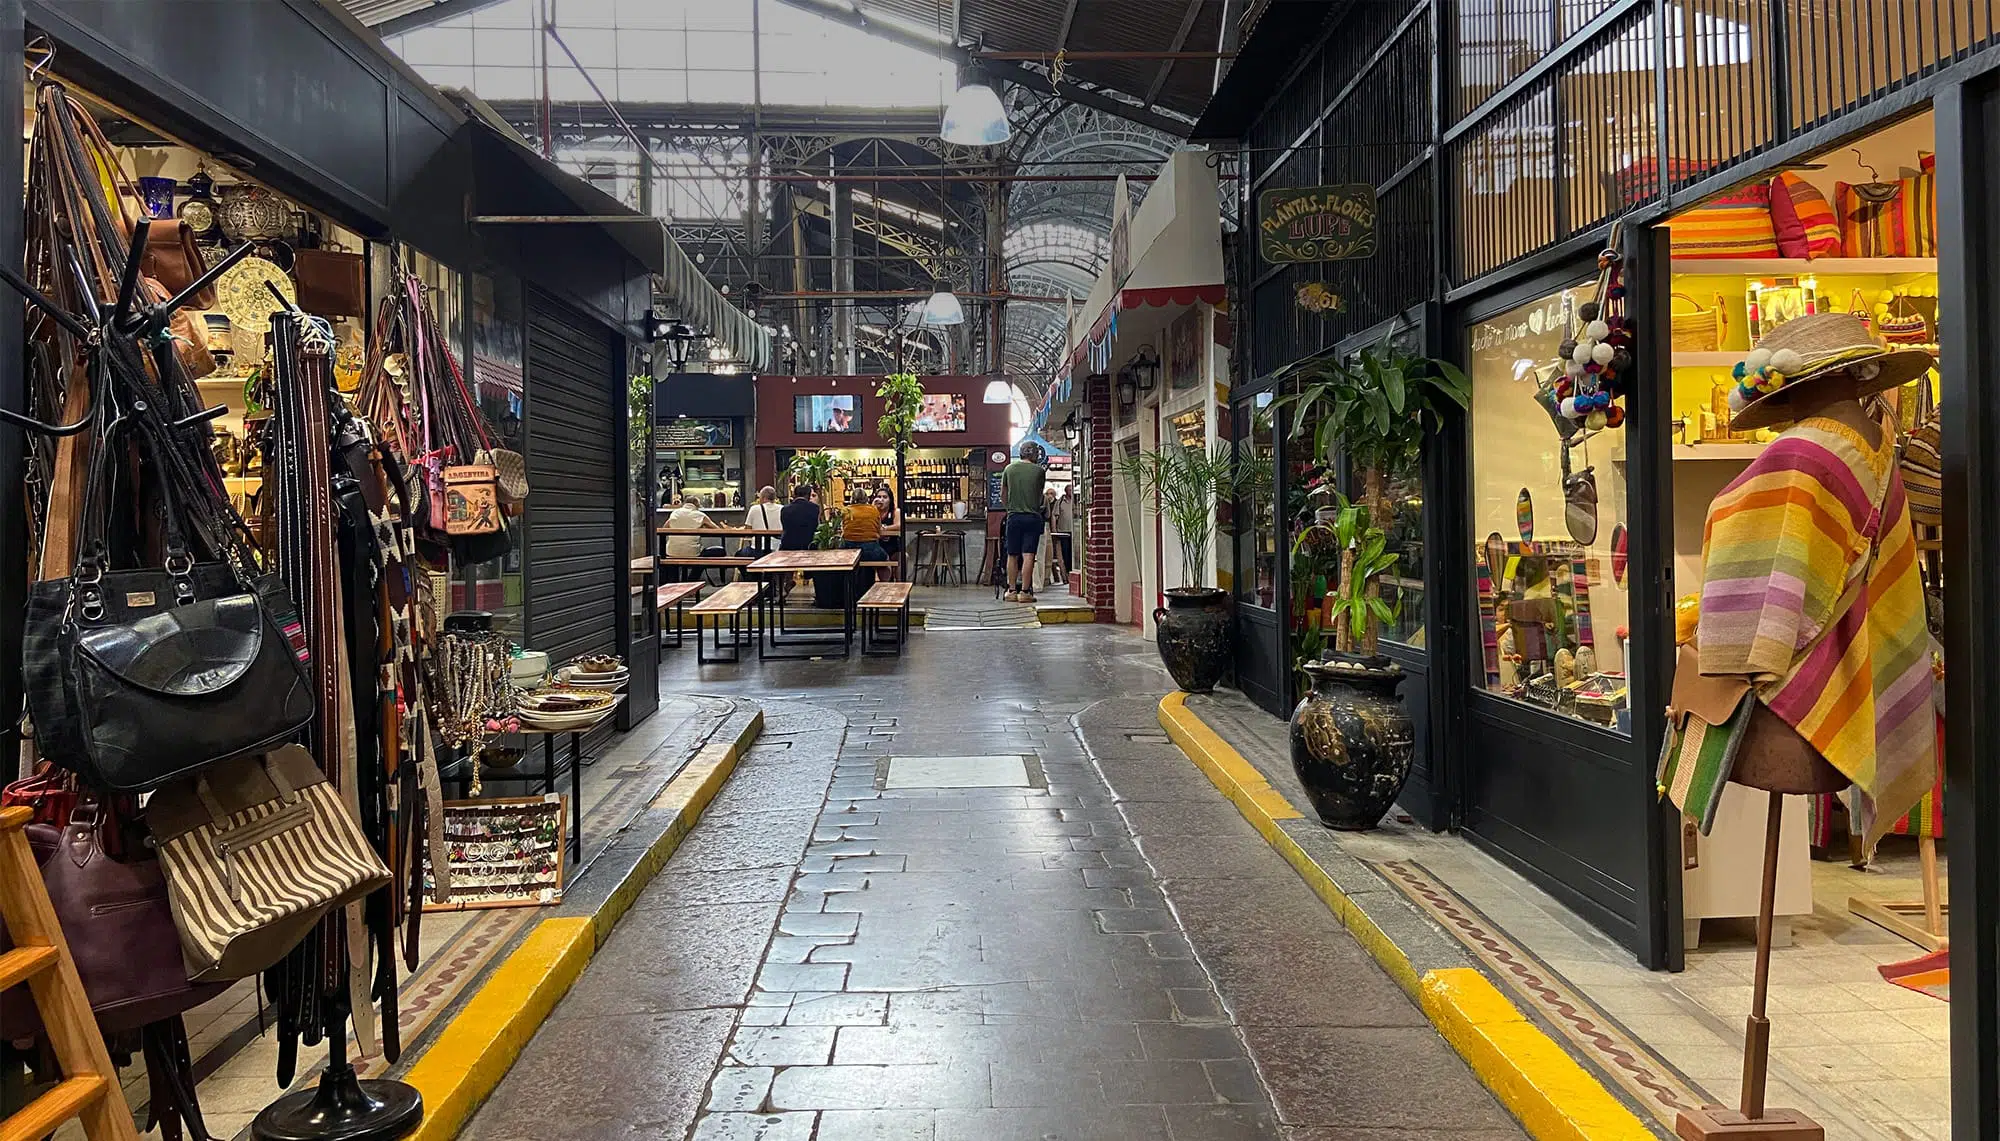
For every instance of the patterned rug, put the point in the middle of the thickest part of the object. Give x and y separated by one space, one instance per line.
1927 974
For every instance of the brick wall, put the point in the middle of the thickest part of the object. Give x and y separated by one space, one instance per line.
1100 575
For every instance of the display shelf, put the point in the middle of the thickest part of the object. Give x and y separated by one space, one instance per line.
1719 450
1793 267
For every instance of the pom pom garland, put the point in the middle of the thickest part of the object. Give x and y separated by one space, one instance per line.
1596 355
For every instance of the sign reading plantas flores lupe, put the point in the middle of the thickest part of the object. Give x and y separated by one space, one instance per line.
1316 223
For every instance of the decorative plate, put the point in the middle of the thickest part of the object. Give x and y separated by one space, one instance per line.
241 296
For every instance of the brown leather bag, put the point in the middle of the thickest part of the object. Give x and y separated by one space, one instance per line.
331 283
174 260
120 927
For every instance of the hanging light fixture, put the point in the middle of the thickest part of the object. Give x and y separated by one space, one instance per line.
974 117
1145 367
943 308
680 338
998 391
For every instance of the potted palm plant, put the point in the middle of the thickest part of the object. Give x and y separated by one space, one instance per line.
818 470
1351 737
1184 485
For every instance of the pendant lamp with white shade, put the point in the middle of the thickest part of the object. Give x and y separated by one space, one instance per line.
974 117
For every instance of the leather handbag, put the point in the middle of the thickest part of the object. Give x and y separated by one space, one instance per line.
255 852
120 929
331 283
138 677
50 792
471 500
174 259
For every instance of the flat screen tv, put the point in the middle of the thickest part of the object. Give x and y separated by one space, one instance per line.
941 413
825 414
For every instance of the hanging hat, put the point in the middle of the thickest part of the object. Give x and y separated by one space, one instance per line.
1772 381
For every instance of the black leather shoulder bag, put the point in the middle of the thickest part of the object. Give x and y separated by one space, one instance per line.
136 677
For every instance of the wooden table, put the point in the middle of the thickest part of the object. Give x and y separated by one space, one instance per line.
845 562
761 535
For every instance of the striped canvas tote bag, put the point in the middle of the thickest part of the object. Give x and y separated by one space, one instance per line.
255 851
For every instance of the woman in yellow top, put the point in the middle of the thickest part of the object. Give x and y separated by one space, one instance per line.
862 525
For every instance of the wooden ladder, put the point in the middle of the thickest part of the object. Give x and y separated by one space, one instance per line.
89 1090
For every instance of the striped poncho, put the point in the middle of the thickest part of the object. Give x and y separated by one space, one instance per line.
1786 546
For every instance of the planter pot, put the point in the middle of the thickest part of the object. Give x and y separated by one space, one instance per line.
1194 637
1352 740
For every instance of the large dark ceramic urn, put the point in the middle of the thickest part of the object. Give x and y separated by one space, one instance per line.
1352 740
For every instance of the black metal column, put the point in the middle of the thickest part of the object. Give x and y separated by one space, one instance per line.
1968 140
13 395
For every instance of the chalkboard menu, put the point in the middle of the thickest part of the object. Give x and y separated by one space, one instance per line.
502 853
995 497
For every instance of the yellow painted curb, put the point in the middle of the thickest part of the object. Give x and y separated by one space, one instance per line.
1554 1097
475 1051
469 1057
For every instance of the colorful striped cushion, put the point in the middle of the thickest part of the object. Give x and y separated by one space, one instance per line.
1803 219
1888 219
1733 225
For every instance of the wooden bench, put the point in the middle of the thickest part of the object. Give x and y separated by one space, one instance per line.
882 599
675 596
733 600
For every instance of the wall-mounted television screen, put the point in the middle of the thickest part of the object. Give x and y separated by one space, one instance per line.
941 413
825 414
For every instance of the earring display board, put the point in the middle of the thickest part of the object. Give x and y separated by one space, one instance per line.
503 853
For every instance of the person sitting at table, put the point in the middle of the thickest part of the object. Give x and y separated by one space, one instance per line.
687 516
863 528
892 543
799 520
763 515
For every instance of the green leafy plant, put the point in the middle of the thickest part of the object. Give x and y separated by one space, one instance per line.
1356 610
1371 409
1184 485
832 521
902 398
816 470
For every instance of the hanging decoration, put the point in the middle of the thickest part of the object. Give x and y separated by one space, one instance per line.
1597 357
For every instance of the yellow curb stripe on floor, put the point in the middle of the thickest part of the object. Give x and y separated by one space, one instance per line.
1554 1097
466 1061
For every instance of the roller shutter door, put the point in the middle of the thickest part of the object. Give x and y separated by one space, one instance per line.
574 579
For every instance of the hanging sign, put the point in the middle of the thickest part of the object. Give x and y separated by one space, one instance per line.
1317 223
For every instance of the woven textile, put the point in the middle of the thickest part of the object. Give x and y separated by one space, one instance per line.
1803 219
1697 760
1734 225
1830 632
1888 220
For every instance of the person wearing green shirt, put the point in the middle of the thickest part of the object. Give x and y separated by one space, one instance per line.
1021 486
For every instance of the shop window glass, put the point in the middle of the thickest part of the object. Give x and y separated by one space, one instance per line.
1309 485
1403 521
1551 608
496 376
1255 521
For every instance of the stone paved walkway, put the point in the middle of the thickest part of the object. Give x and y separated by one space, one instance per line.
1108 954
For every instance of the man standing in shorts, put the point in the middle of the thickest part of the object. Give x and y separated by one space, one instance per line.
1021 486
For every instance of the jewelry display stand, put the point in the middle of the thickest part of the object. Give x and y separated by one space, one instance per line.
1778 772
343 1107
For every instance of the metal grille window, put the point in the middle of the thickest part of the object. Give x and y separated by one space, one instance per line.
1563 154
1499 40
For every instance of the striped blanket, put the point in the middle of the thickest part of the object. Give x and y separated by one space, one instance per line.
1832 636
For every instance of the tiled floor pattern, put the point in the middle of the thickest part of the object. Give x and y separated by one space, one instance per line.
1870 1061
1114 956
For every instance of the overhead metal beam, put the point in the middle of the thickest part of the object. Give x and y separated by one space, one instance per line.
1180 39
843 13
425 17
1069 18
